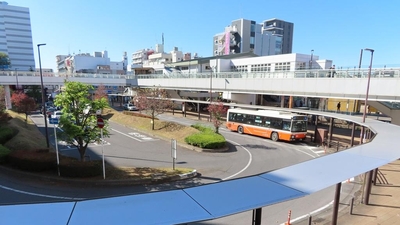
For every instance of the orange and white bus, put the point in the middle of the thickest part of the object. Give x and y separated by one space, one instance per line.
276 125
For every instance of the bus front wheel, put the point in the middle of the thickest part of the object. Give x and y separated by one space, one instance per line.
240 130
274 136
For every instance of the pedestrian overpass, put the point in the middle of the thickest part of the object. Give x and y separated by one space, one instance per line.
384 93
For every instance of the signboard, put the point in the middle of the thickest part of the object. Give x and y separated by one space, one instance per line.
53 120
100 123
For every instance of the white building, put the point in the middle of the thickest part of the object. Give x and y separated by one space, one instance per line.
157 59
86 63
272 63
245 36
16 37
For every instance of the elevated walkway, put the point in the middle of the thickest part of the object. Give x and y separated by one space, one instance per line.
391 110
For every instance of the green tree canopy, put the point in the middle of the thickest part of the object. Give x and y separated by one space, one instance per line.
79 120
4 61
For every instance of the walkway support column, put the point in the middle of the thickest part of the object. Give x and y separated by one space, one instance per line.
198 110
368 184
353 128
290 102
336 203
282 101
316 127
375 176
8 96
257 216
330 131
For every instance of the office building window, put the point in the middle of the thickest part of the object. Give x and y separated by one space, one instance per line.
266 67
239 68
283 66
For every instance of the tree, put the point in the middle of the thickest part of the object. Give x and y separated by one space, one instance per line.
23 103
4 61
79 120
217 110
153 101
101 92
35 92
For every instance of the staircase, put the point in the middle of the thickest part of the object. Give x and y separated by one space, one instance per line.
391 109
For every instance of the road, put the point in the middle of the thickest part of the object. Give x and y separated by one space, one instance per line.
247 155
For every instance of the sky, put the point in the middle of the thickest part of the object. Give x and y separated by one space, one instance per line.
335 30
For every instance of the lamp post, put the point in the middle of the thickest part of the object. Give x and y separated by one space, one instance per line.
311 60
43 98
366 95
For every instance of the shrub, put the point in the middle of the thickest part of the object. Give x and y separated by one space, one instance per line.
33 160
206 139
71 167
6 134
202 128
4 152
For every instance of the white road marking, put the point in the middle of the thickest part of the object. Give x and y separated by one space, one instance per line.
248 163
139 140
40 195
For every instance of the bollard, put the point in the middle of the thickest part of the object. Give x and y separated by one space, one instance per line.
351 205
337 147
309 220
288 219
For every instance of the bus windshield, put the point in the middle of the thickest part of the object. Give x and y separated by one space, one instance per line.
299 126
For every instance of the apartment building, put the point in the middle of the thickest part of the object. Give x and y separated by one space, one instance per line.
246 35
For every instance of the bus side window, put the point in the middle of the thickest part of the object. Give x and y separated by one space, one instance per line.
267 122
276 123
286 125
258 121
250 119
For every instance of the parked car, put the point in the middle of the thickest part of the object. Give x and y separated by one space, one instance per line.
56 114
130 107
49 110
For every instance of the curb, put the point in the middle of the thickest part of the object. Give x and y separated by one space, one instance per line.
88 182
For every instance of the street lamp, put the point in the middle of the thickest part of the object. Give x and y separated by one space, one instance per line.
43 98
366 95
310 64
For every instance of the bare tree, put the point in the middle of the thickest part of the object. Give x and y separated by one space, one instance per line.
101 92
153 102
217 111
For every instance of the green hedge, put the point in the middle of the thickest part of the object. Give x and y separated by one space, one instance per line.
4 152
6 134
206 139
43 160
75 168
35 161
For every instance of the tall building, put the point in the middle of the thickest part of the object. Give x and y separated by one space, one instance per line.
244 36
16 36
282 29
